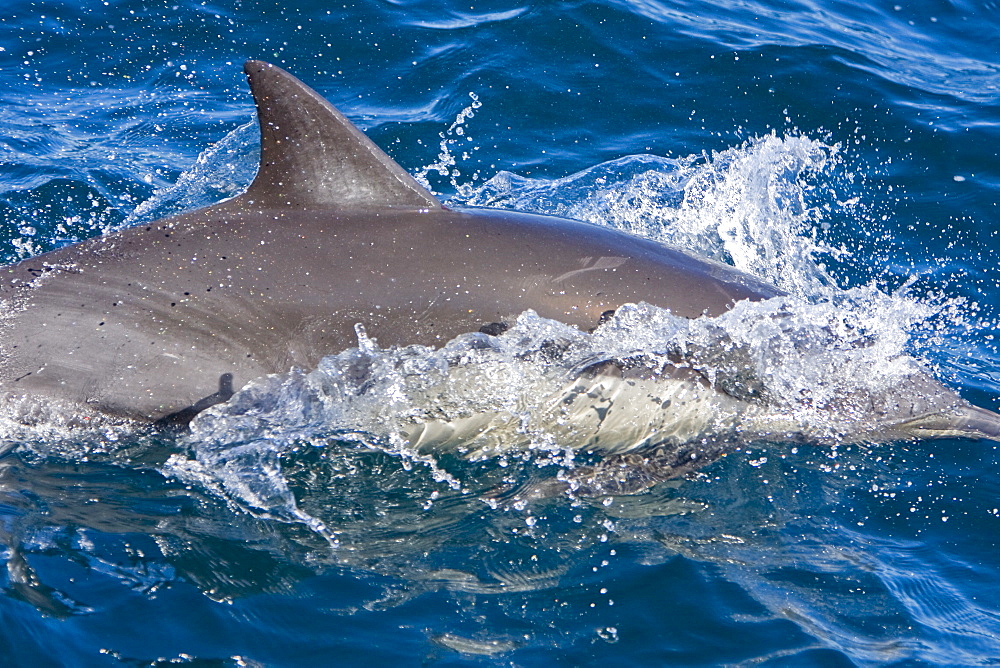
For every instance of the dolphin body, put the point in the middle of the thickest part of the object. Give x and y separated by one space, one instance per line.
157 322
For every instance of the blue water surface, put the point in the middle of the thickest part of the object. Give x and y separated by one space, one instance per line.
775 555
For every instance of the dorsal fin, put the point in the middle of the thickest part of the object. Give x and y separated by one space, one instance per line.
311 156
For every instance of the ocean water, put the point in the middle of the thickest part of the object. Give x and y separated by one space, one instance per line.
847 152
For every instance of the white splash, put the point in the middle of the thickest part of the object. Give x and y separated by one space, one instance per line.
223 170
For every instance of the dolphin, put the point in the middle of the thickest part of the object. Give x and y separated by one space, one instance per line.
157 322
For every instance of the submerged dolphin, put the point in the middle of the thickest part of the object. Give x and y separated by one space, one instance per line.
160 321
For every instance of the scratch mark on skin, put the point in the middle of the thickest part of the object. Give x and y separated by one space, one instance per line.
601 263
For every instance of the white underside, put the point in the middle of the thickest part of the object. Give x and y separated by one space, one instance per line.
603 413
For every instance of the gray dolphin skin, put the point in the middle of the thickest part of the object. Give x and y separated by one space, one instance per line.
158 322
